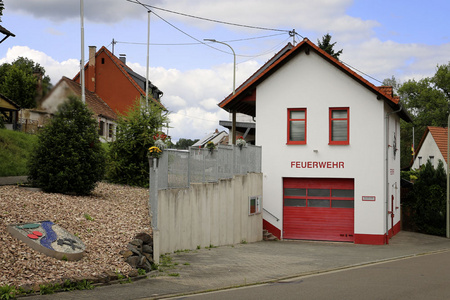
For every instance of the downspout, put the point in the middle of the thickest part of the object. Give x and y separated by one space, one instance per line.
387 171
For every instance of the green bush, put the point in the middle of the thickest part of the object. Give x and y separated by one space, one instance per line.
128 161
429 199
69 157
15 151
2 123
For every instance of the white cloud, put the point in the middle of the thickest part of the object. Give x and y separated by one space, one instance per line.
405 61
98 11
192 96
54 69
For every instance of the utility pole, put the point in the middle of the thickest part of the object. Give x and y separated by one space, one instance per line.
83 96
292 33
148 58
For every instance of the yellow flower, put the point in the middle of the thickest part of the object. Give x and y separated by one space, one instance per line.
154 149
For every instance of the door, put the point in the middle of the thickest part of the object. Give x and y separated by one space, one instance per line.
318 209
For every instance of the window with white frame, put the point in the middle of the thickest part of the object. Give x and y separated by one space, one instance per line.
431 158
339 122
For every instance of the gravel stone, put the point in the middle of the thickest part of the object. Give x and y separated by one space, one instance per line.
119 213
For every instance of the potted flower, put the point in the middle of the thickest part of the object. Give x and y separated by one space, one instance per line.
160 140
154 152
240 142
211 146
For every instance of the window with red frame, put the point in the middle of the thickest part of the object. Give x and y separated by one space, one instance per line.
296 126
339 126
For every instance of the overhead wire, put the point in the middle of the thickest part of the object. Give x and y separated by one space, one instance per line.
292 33
207 19
193 44
357 70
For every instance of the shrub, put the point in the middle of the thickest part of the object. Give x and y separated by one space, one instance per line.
68 157
429 199
128 161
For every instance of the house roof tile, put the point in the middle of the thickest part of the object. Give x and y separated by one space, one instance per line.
137 80
93 101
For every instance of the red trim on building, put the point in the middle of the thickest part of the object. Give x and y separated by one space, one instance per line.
370 239
376 239
393 231
272 229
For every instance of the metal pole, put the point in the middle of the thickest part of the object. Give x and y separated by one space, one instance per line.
148 50
233 124
83 96
448 187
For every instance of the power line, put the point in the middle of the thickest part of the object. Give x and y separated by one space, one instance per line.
291 32
209 20
194 44
361 72
178 112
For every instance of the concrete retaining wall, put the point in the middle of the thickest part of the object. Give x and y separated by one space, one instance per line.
209 214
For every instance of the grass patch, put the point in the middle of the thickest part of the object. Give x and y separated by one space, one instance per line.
15 150
11 292
88 217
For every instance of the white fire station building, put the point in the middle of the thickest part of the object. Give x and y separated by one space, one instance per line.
330 142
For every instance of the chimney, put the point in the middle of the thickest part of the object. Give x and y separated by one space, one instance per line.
123 58
90 76
39 90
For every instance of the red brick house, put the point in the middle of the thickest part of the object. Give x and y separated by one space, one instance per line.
113 81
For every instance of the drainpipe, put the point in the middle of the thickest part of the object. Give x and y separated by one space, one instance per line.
387 171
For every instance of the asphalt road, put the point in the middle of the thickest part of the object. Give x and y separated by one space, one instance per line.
420 277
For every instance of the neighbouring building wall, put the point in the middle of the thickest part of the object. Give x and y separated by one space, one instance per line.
428 149
113 86
310 82
209 214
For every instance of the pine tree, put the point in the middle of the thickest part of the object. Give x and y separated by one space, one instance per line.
327 46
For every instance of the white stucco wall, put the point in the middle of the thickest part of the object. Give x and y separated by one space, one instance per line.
428 148
310 82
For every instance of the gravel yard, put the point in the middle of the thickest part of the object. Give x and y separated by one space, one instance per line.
105 221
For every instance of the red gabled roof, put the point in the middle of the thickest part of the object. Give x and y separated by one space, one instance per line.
123 68
235 102
440 135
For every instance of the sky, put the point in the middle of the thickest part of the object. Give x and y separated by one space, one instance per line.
381 38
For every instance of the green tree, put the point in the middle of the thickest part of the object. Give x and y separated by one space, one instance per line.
326 45
134 136
69 157
427 101
19 82
429 199
185 143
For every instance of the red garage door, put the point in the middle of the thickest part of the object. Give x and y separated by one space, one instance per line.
318 209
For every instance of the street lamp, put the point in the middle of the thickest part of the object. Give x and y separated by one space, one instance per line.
233 126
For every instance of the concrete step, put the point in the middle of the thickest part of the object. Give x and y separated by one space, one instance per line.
267 236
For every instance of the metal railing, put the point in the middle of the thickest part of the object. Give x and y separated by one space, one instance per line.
180 168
